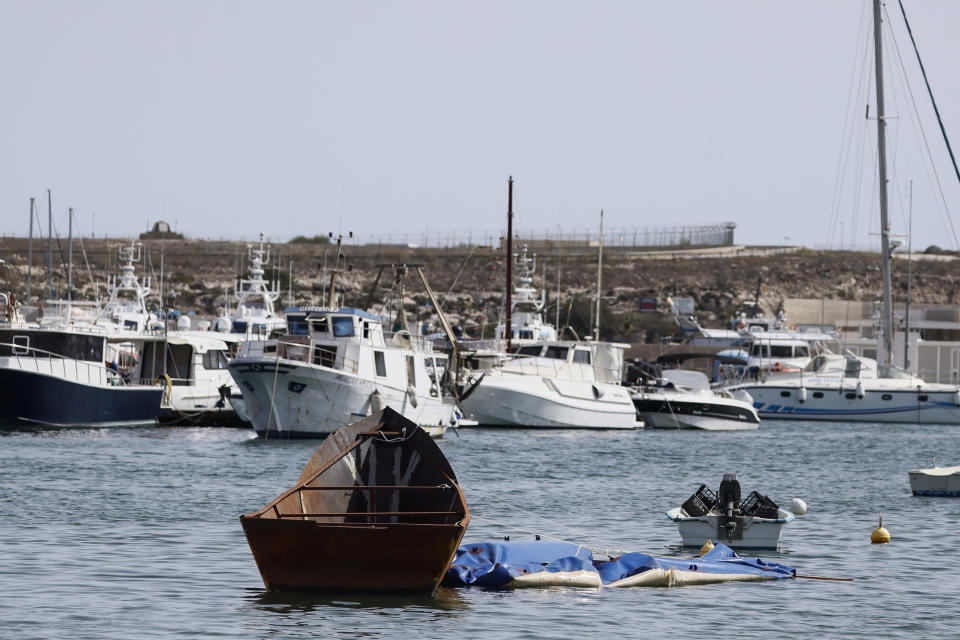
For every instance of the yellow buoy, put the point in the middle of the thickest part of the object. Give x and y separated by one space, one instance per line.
707 547
880 535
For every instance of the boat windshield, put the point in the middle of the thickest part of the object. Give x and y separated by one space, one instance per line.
890 371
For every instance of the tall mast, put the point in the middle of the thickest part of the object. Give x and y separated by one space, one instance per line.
596 326
509 302
50 243
886 353
30 254
70 256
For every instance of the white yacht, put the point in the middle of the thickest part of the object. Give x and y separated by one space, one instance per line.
683 399
546 382
335 366
255 316
852 388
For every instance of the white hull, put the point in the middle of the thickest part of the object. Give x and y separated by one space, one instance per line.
938 481
878 402
757 533
705 423
311 400
519 400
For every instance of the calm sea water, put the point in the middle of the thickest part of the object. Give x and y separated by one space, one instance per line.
122 533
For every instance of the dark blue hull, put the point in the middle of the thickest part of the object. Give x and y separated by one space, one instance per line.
38 399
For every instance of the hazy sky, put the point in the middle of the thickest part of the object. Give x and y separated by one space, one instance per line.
234 118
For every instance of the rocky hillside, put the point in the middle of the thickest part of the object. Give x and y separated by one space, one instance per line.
198 275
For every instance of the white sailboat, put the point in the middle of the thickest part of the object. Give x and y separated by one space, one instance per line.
849 387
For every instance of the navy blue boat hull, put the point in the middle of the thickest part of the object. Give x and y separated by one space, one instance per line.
30 398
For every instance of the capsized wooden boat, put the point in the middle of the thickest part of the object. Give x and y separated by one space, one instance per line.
376 510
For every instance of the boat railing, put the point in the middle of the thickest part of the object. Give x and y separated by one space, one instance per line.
38 360
303 349
371 516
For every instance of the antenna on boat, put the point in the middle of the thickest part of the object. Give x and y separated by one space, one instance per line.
30 253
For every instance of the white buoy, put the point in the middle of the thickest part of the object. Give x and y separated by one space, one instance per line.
798 506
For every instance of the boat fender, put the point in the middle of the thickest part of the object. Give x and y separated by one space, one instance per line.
860 391
798 506
802 395
412 395
707 547
376 401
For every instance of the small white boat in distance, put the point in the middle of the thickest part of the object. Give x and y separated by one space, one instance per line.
683 399
938 481
755 523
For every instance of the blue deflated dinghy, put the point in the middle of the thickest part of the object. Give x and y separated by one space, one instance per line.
543 564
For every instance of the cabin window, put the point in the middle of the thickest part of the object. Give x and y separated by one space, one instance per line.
325 356
366 329
380 364
801 351
818 394
297 325
21 345
343 327
526 334
558 353
320 325
851 395
411 371
886 396
270 348
784 394
581 355
215 359
852 369
529 350
922 398
781 351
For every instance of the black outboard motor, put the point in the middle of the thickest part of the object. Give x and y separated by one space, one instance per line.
728 498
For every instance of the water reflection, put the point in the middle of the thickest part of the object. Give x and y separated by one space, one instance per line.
285 603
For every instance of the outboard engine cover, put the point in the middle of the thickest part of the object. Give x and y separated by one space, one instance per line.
729 492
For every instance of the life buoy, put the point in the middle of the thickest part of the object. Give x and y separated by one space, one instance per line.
166 383
777 368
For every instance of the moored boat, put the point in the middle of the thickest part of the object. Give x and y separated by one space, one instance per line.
376 509
936 481
754 523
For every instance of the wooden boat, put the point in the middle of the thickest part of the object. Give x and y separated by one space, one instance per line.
376 510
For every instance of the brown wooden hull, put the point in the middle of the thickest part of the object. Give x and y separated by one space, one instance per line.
395 558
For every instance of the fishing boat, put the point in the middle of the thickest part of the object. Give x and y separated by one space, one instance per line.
254 317
936 481
754 523
683 399
336 365
376 509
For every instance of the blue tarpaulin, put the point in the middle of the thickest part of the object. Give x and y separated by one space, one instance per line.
542 563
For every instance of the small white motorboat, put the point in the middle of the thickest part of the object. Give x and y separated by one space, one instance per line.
754 523
938 481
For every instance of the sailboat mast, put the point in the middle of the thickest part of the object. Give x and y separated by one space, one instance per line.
30 254
596 326
509 301
888 327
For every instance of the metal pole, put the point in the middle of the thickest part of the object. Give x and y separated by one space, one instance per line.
888 328
906 313
509 302
70 256
50 244
596 328
30 253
